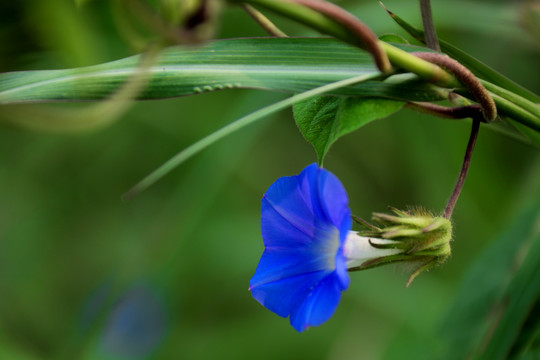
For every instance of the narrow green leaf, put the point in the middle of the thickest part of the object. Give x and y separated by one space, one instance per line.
323 120
205 142
286 64
513 91
497 295
291 65
87 117
528 341
534 354
520 322
476 66
531 135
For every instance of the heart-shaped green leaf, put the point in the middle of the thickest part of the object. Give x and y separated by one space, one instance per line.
323 120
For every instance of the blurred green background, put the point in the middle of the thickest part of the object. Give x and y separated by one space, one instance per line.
179 256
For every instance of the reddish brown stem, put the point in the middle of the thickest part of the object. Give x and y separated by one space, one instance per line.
467 78
457 112
357 27
429 28
464 169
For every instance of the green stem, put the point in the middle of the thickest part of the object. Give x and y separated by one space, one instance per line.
355 27
472 63
517 113
508 103
205 142
326 25
513 97
422 68
304 16
467 78
263 21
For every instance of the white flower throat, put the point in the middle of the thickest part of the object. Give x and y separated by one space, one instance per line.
358 250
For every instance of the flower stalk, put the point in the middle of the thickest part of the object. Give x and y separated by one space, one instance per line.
464 169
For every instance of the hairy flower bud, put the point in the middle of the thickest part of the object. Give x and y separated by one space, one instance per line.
421 238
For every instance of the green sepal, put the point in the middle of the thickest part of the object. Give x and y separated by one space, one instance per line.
422 237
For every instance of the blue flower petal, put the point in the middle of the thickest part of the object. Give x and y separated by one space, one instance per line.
304 221
282 296
319 305
279 264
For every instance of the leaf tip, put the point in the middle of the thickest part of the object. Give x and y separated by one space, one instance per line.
386 9
129 195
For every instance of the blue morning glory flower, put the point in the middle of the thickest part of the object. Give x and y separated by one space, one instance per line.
309 246
305 223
